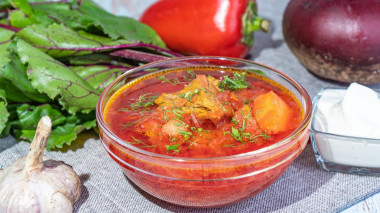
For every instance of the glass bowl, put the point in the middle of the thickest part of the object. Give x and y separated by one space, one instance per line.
342 153
206 182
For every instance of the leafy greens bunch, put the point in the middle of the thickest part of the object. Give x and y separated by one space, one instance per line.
56 58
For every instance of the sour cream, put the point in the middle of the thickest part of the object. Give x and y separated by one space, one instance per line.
347 124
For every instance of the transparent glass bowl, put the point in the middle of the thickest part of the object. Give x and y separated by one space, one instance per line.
342 153
205 182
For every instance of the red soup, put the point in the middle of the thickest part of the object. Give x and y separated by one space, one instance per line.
203 114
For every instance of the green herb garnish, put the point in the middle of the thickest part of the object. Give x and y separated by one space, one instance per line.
173 148
247 101
236 134
189 95
204 90
178 113
178 124
140 142
243 125
172 139
236 83
144 101
263 135
192 143
174 81
191 77
128 124
229 145
185 134
124 109
191 73
234 121
166 118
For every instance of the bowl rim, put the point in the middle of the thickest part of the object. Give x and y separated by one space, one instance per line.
305 121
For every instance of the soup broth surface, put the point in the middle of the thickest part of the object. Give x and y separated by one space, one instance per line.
202 113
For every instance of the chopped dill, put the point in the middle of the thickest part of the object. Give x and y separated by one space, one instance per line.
124 109
191 77
140 142
247 101
189 95
192 143
178 113
185 134
172 139
263 135
144 101
178 124
129 124
163 79
234 121
236 134
243 125
173 148
204 90
229 145
235 83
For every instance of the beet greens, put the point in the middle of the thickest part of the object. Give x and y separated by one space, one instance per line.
57 57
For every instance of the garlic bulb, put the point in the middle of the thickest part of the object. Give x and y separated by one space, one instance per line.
35 183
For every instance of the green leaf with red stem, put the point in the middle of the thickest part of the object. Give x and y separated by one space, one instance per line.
60 41
88 16
99 76
56 80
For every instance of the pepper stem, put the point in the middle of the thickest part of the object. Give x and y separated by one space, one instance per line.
34 159
251 23
260 24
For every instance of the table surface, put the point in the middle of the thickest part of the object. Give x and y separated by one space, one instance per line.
134 8
371 204
101 195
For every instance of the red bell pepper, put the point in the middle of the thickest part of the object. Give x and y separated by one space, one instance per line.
206 27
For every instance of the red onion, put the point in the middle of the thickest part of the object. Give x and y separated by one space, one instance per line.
336 39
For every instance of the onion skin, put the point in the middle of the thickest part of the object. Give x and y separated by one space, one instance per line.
337 40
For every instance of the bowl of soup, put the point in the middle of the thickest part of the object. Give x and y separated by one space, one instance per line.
204 131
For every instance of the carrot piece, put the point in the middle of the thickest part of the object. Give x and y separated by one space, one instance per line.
271 113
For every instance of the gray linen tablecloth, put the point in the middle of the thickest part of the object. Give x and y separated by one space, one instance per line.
304 187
